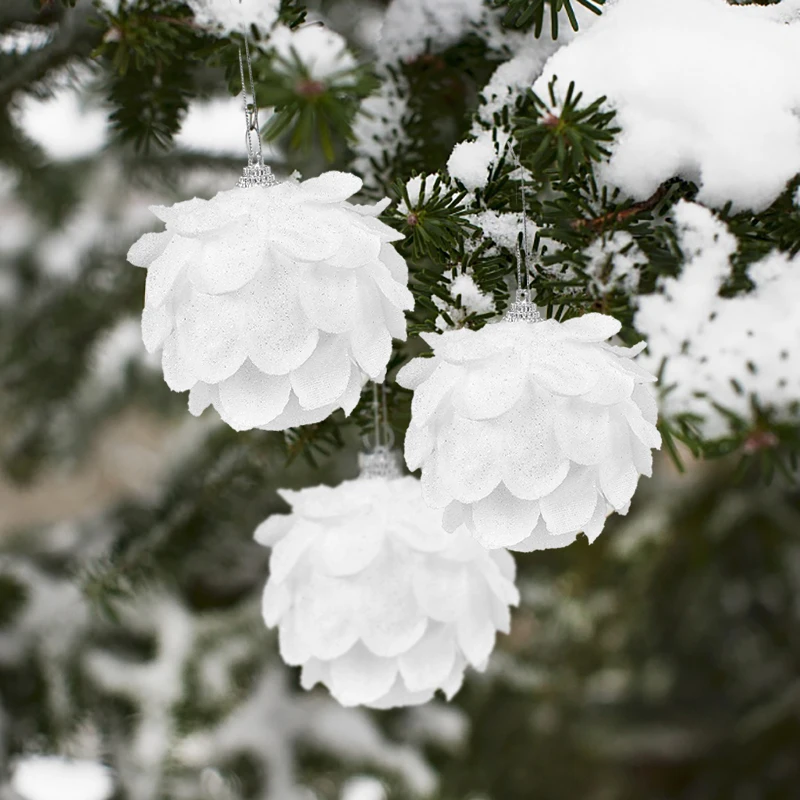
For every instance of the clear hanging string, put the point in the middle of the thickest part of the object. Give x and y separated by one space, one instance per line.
380 460
522 309
256 173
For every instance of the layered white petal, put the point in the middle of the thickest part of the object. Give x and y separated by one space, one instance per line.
263 286
527 434
379 603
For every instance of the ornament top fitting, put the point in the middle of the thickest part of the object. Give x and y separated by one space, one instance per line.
382 462
522 309
258 174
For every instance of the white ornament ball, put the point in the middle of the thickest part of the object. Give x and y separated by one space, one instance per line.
374 599
530 433
275 303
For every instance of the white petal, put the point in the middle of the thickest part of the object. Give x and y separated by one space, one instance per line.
163 272
645 399
418 445
432 392
501 519
646 432
490 388
370 339
348 547
280 337
314 671
571 506
294 416
229 259
596 524
562 372
360 677
250 398
582 430
293 647
532 462
323 378
395 320
390 621
291 548
592 327
210 336
275 601
331 187
429 663
642 457
273 529
329 297
618 473
157 324
542 539
326 611
441 588
396 264
196 216
453 683
396 293
304 233
465 345
434 491
454 516
411 375
177 373
359 245
468 459
613 386
400 696
201 396
147 248
476 632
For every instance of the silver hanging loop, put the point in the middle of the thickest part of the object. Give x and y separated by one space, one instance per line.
522 309
256 173
380 460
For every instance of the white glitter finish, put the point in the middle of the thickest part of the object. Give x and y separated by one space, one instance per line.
530 433
374 599
275 303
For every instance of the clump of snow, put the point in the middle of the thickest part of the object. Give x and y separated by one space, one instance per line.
420 187
23 39
56 778
722 349
471 162
473 301
231 16
363 787
409 25
613 262
503 229
323 51
703 89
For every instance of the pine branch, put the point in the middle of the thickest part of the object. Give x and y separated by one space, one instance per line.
76 37
612 217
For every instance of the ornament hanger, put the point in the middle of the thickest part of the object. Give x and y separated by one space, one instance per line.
256 173
380 460
522 309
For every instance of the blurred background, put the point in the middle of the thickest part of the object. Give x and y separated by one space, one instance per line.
662 662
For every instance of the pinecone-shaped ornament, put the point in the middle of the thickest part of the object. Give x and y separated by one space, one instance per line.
373 598
273 302
530 431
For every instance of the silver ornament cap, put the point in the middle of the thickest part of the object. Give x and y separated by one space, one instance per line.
522 309
382 462
257 174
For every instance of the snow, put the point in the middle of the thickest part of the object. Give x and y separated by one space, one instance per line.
420 186
502 228
473 301
56 778
323 51
410 24
64 125
235 15
613 262
471 162
363 787
710 341
678 72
